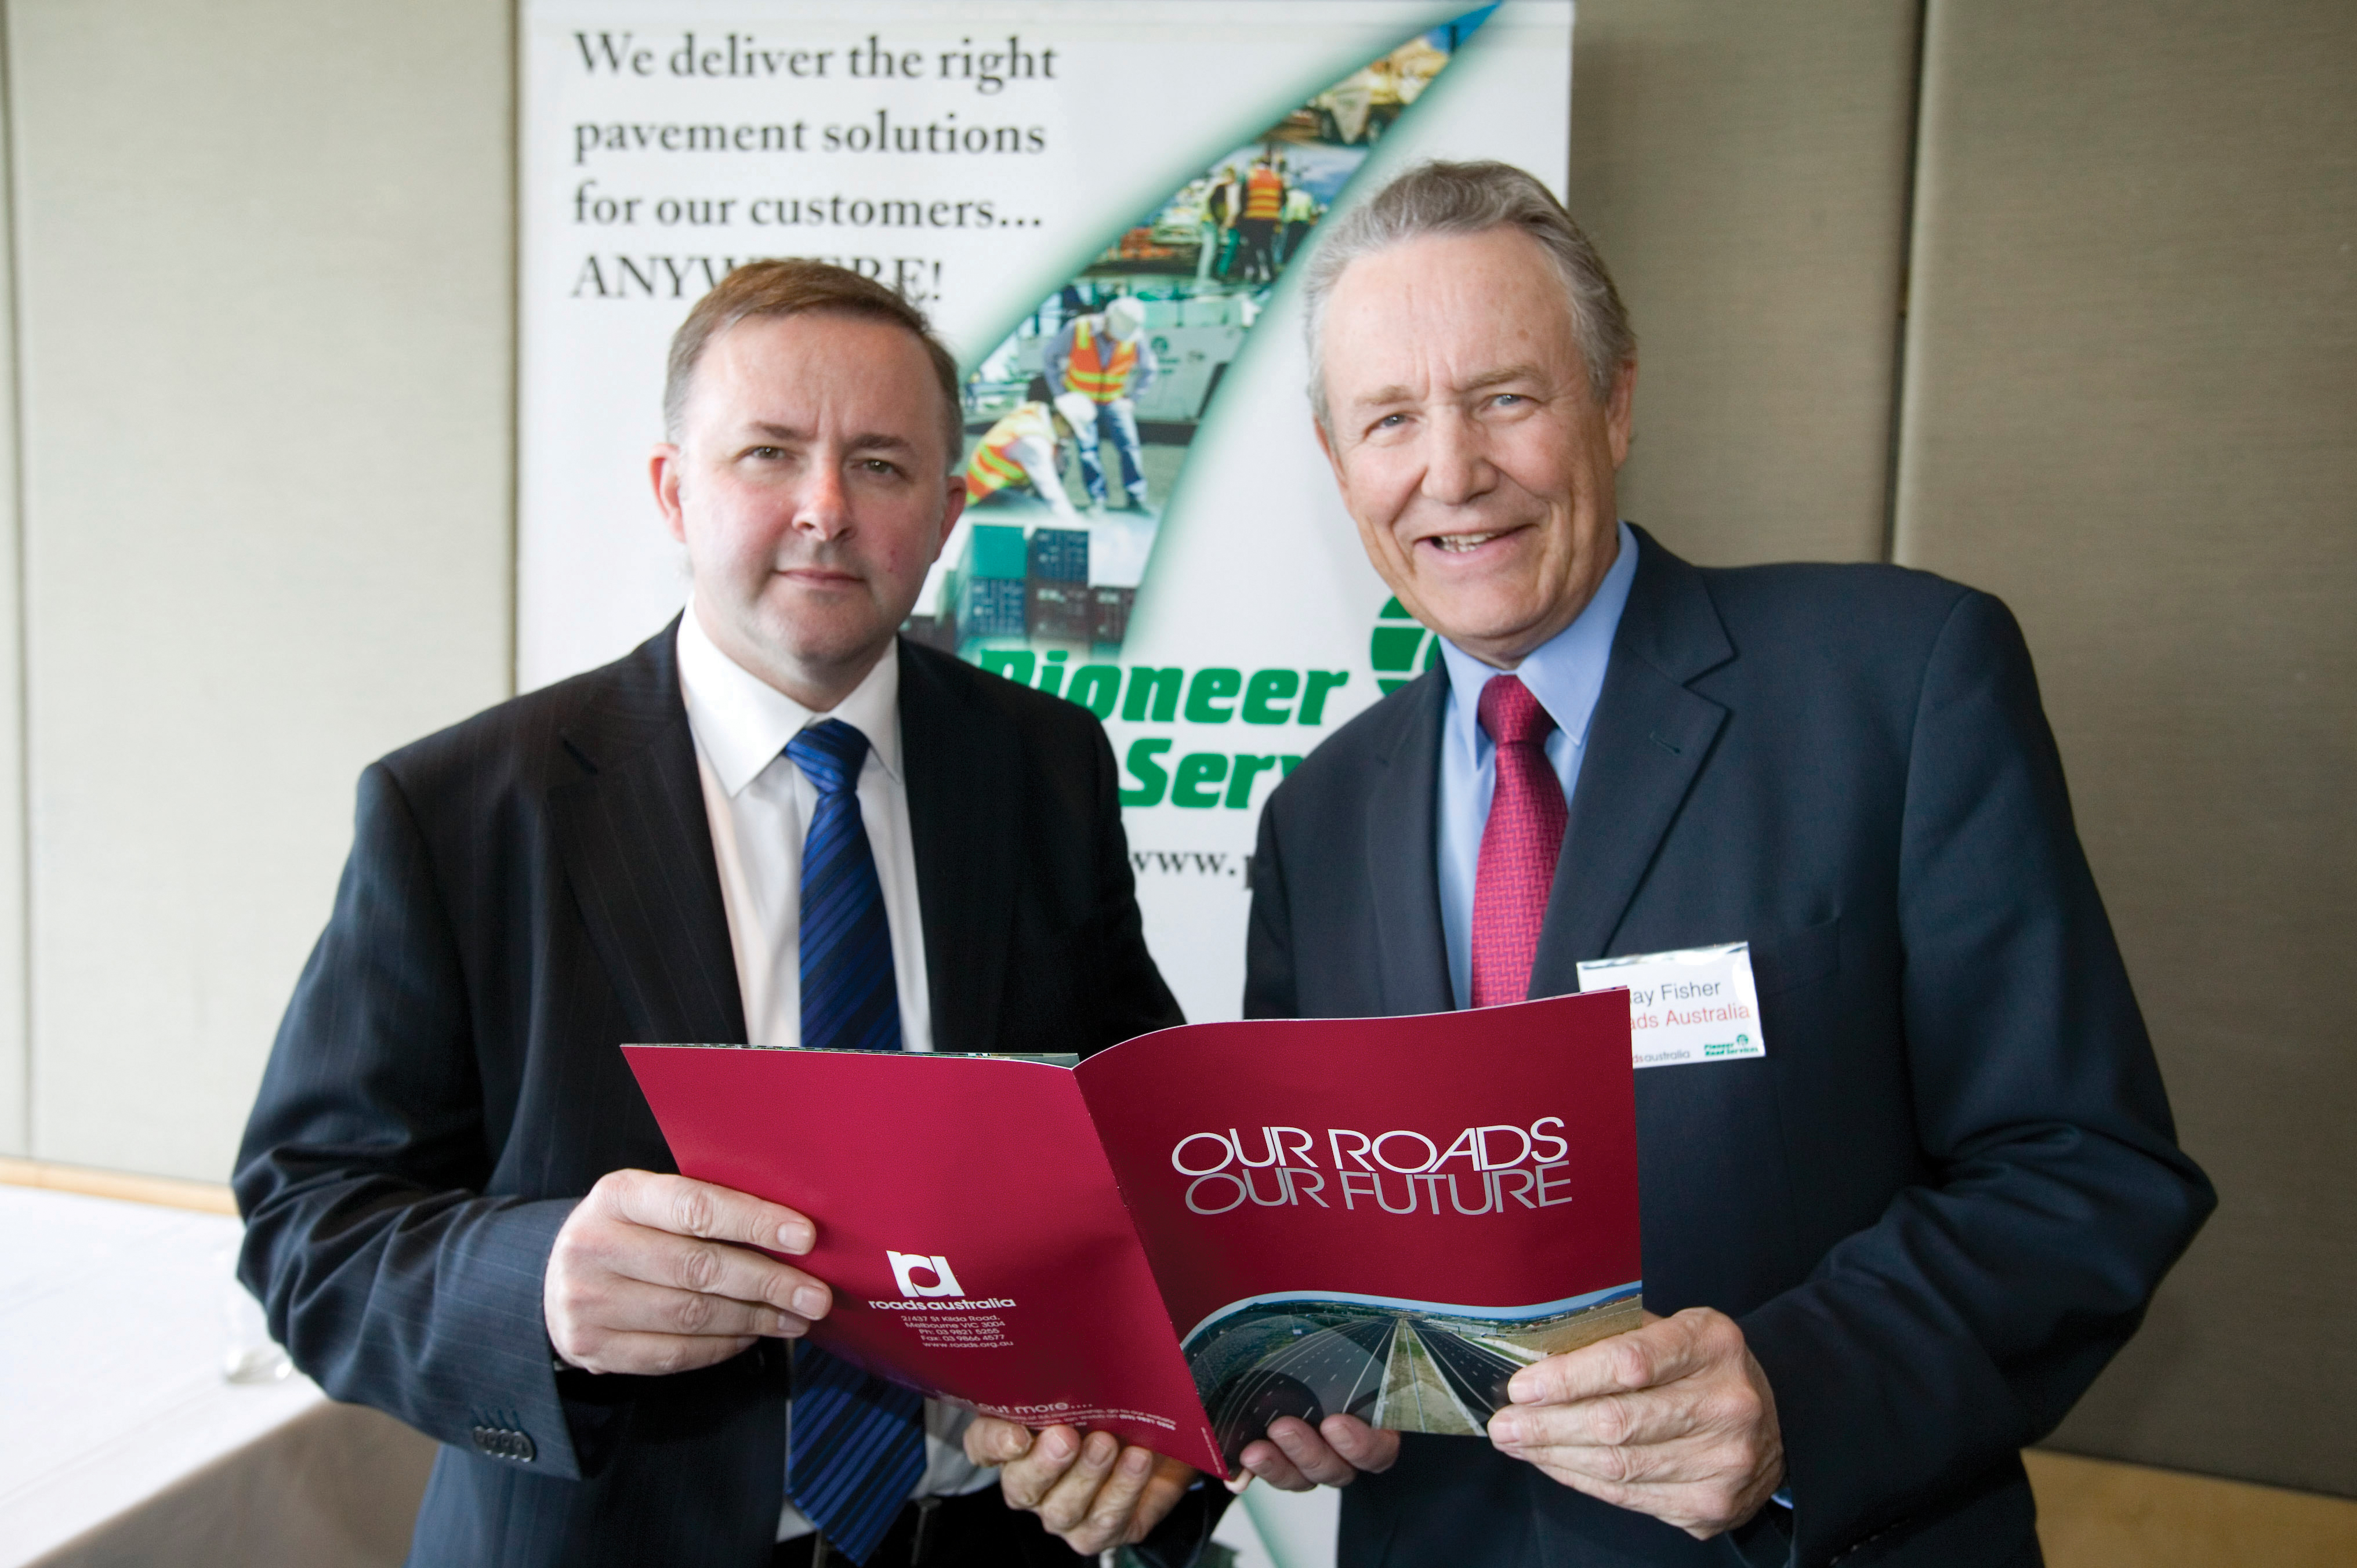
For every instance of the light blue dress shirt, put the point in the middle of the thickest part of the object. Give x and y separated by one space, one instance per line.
1565 674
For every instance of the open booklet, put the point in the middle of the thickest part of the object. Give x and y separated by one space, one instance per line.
1202 1229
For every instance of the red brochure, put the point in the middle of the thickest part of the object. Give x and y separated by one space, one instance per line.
1204 1229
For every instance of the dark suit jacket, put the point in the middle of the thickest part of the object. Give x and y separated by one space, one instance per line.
1938 1203
526 892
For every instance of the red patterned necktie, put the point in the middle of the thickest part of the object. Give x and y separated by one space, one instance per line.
1519 843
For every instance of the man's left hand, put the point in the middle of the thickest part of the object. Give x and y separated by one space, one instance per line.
1093 1493
1674 1420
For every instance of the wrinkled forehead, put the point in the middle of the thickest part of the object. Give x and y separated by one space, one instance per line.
1443 313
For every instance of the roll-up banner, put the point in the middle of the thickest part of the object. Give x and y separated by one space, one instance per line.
1103 204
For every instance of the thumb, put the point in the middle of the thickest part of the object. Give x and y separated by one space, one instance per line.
990 1440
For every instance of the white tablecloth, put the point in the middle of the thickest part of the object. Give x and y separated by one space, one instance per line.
122 1442
120 1439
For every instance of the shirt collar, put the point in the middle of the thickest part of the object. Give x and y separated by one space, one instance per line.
1566 672
742 722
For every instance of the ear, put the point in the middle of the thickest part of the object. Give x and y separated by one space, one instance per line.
1326 445
1619 412
665 468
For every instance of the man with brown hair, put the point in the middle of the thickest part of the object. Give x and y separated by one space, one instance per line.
773 823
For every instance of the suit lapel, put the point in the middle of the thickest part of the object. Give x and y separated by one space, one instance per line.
637 848
1402 856
1646 743
964 778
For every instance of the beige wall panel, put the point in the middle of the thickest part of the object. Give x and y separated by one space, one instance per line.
15 1062
1744 170
2095 1513
2129 412
265 272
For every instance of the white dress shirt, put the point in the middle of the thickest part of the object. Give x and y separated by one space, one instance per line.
760 807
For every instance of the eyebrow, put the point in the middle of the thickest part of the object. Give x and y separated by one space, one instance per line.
1509 373
1397 393
878 441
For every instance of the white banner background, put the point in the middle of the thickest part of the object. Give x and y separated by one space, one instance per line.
1256 565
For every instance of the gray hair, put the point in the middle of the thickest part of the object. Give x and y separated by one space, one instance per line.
1471 199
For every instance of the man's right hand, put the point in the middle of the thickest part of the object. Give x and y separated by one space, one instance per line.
656 1273
1296 1457
1089 1490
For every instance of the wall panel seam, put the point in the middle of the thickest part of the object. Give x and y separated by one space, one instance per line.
22 694
515 343
1906 287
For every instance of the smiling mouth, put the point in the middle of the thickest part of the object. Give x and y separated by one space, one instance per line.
1465 543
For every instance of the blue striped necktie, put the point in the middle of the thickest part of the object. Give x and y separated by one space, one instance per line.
856 1447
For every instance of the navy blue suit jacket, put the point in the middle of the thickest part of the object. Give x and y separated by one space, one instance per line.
526 892
1939 1204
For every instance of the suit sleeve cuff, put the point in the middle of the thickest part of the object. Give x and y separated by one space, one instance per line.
1766 1541
1178 1541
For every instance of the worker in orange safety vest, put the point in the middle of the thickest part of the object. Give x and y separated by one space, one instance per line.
1019 456
1256 230
1102 363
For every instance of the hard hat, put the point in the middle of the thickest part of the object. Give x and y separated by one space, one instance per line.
1125 318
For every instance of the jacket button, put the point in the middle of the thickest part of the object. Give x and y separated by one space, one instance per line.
505 1443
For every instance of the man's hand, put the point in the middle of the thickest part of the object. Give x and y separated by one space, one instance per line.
1296 1457
656 1274
1674 1420
1094 1494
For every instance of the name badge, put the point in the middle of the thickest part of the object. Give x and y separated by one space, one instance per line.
1695 1005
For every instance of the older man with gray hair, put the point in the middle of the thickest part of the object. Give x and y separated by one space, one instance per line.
1896 1235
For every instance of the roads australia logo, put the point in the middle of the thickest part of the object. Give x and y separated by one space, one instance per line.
907 1266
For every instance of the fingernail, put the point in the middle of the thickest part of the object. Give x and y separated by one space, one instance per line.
1135 1462
790 1326
811 1302
1059 1445
1504 1430
796 1237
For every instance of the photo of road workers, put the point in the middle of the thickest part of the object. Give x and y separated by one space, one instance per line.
1407 1366
1080 422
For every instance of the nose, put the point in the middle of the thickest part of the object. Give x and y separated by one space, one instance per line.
823 506
1456 460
